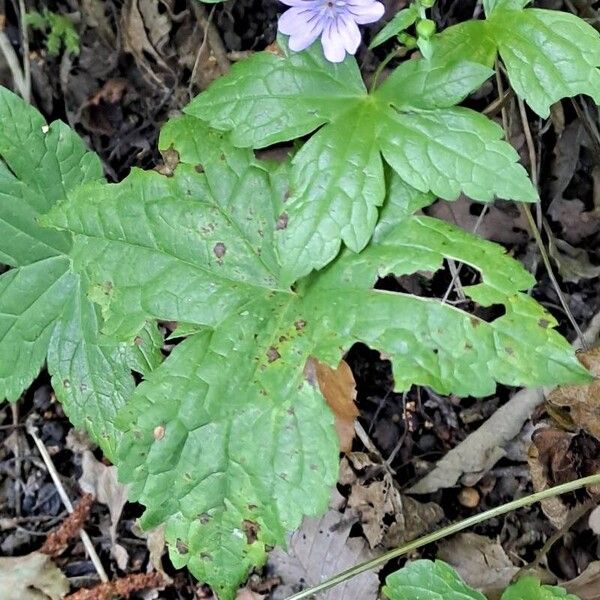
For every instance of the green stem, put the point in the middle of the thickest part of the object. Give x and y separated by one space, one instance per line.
447 531
383 64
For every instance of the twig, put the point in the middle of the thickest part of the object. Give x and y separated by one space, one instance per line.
457 271
25 51
85 538
13 64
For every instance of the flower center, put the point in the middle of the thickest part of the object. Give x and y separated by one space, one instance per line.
333 7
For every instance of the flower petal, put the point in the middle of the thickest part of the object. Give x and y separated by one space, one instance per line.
365 12
302 32
349 33
294 20
304 3
333 44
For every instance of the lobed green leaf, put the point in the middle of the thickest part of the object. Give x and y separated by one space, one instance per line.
44 309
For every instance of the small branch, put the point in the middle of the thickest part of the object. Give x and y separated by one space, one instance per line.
25 51
85 538
12 61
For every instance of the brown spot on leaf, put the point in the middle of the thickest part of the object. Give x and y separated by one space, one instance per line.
159 432
273 354
282 221
220 250
181 546
138 341
300 324
475 322
204 518
251 530
199 169
543 323
66 384
170 161
509 350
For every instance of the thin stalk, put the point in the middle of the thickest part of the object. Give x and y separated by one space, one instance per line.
383 64
448 531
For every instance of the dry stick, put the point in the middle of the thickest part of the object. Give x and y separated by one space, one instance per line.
85 538
446 532
457 271
13 64
25 50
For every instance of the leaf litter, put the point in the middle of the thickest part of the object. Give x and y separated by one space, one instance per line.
576 218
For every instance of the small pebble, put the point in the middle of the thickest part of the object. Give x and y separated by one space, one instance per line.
468 497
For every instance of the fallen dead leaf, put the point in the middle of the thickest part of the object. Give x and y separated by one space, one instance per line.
339 390
583 400
503 223
573 263
247 594
32 577
480 561
136 41
101 481
554 508
587 585
319 549
388 518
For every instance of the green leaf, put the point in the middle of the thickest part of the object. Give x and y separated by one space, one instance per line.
44 311
31 300
428 580
548 54
490 6
332 203
245 446
402 20
272 98
411 119
529 588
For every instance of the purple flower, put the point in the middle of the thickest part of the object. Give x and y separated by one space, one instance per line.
336 21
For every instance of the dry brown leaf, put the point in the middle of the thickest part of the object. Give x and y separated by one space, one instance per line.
101 481
573 263
388 518
320 549
31 577
587 585
339 390
503 223
583 400
554 508
480 561
137 42
247 594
